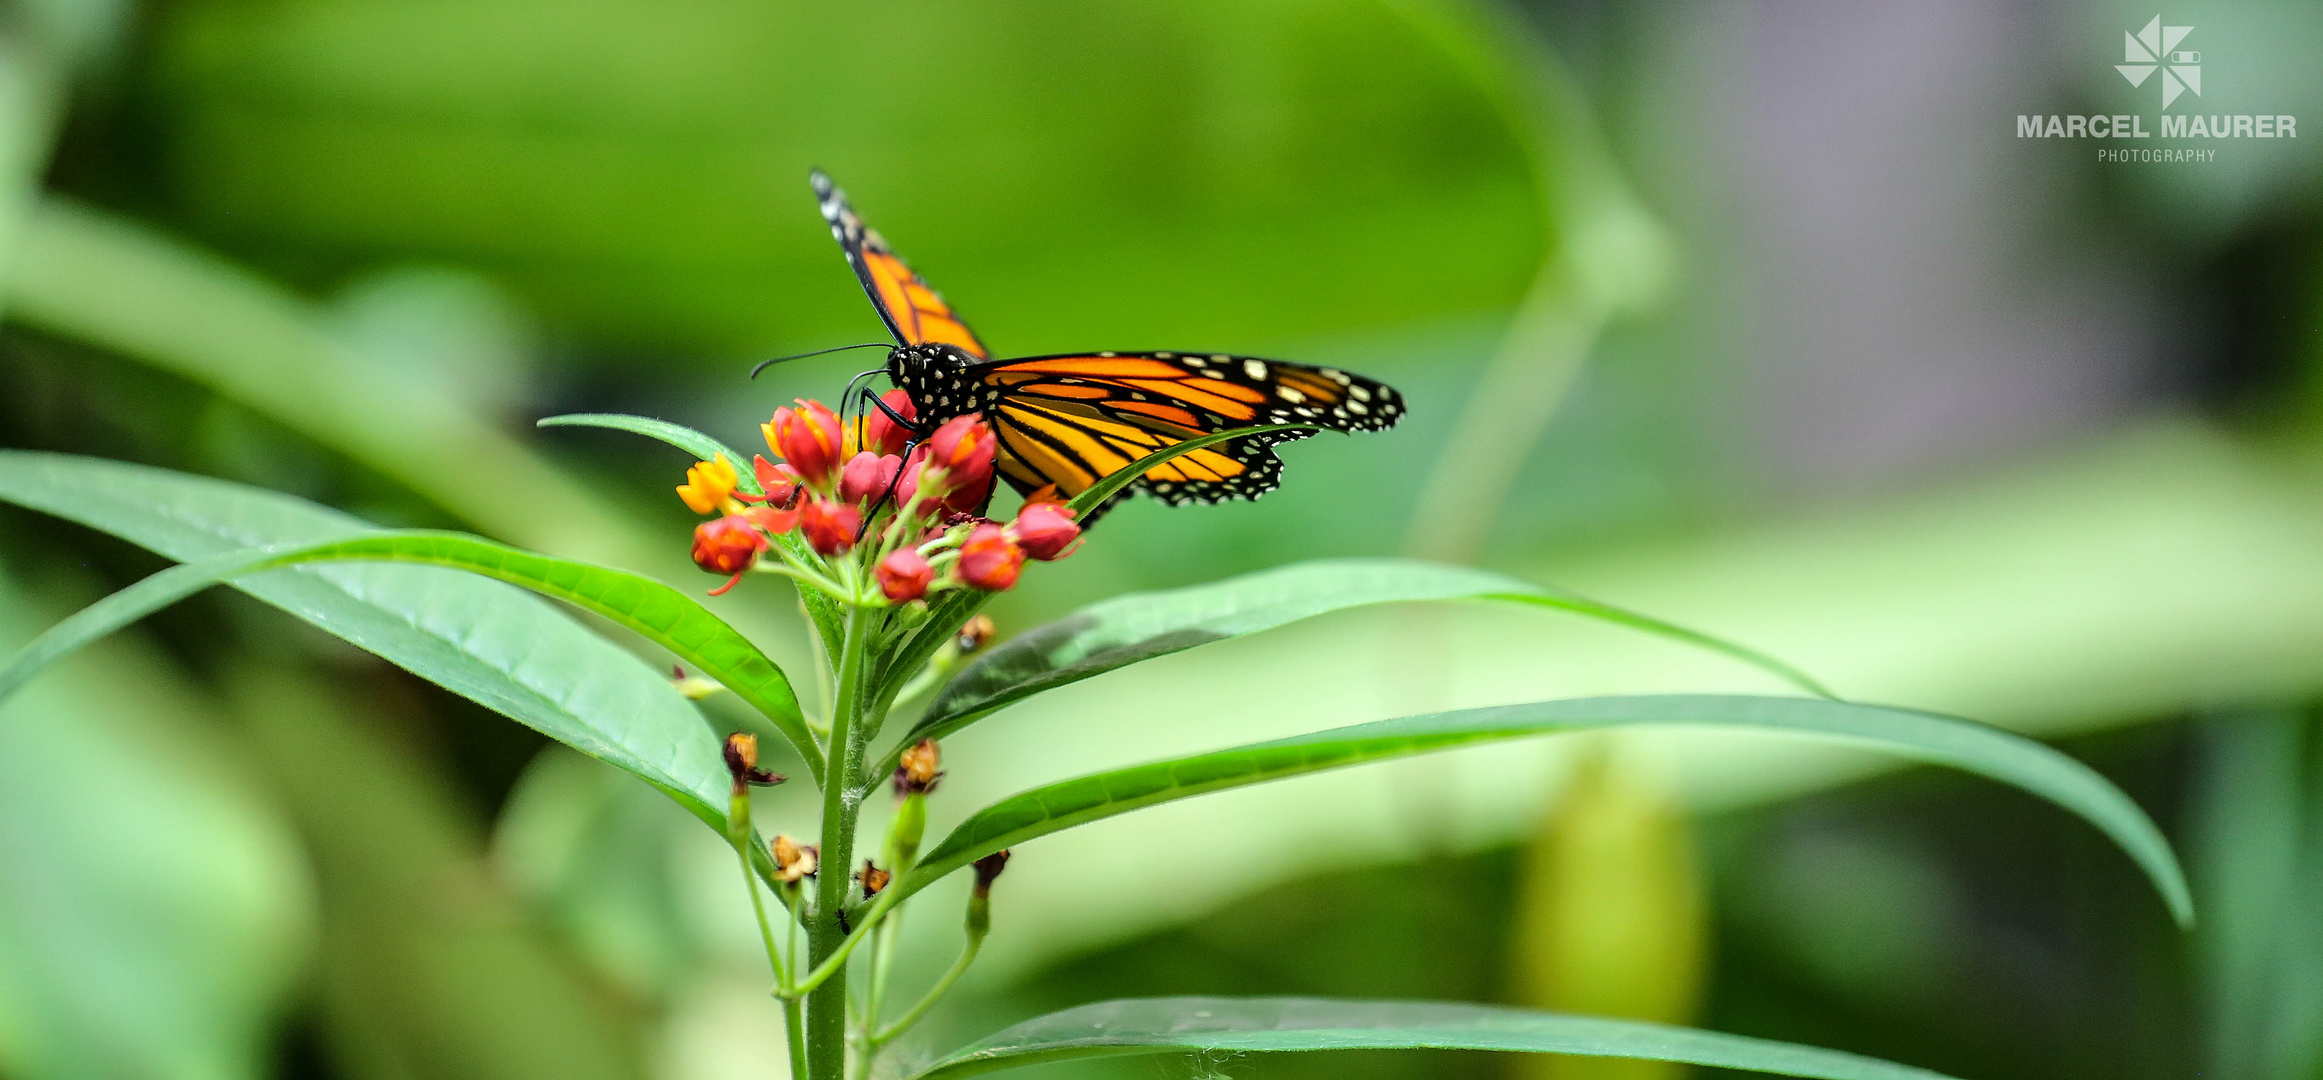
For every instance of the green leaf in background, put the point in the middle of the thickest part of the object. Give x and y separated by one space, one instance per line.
661 614
430 967
1126 629
1990 752
155 908
1195 1026
109 281
1215 171
1609 917
486 641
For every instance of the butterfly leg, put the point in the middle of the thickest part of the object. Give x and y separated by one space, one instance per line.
892 481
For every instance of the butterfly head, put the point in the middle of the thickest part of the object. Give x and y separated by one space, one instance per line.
936 377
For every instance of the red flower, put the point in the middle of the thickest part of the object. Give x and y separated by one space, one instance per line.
882 435
905 576
963 447
807 437
990 560
867 475
727 545
780 481
830 526
1045 530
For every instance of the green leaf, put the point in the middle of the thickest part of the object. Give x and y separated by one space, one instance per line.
1205 1025
150 929
1991 752
1140 626
703 447
655 611
486 641
821 610
430 966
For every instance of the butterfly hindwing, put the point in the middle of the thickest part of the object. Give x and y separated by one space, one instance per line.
1071 419
913 311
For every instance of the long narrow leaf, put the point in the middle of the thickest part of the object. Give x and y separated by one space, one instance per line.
1207 1025
1123 630
656 611
703 447
1991 752
487 641
821 610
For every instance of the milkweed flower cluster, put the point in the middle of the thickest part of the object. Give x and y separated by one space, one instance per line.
879 519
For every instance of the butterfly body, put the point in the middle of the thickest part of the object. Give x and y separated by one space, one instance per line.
1070 419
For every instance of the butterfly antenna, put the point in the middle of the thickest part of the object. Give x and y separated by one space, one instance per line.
764 364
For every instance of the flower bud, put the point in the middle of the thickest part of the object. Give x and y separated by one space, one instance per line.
990 560
727 545
882 435
964 448
917 771
1046 531
830 526
742 762
708 485
905 832
806 437
874 879
988 871
794 860
780 481
867 476
974 634
694 687
905 576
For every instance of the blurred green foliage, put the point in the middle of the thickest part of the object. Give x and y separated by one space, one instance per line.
351 248
1127 176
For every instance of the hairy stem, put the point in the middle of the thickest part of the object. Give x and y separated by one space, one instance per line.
827 933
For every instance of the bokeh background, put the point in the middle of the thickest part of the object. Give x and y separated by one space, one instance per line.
1755 316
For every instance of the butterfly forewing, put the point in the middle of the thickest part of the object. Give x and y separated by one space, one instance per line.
913 311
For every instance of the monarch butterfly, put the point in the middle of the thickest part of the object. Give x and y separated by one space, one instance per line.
1071 419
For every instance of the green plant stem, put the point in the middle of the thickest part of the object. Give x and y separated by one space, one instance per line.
794 1026
828 937
882 957
765 930
943 985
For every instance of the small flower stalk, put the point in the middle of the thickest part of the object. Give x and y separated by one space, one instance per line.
867 514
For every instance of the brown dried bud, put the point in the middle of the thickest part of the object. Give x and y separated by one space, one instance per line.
874 879
975 634
916 772
988 869
742 762
794 860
